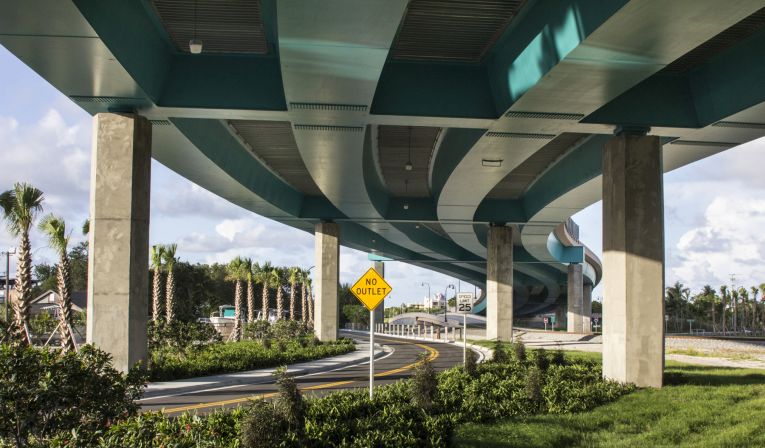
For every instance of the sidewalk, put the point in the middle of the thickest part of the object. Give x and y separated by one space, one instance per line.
176 387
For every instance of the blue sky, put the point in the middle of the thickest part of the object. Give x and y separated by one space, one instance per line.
714 209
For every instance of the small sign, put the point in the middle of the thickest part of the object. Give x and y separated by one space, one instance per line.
546 320
465 302
371 289
595 320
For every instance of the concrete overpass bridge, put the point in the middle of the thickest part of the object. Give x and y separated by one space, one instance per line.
454 135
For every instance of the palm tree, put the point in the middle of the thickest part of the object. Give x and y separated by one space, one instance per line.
248 267
304 277
294 275
734 297
55 229
277 277
157 255
755 291
21 205
708 293
236 273
264 278
169 256
724 298
310 301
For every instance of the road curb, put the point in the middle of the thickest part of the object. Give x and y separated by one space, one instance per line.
484 353
260 376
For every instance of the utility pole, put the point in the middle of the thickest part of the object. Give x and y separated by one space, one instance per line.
8 253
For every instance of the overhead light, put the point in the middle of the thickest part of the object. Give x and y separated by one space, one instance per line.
492 163
406 206
408 166
195 46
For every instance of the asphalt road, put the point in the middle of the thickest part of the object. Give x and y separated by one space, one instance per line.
392 367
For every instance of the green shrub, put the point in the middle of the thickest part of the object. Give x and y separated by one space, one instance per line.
284 329
558 358
541 361
290 404
534 384
519 350
471 363
262 427
182 337
259 330
238 356
424 383
44 394
500 355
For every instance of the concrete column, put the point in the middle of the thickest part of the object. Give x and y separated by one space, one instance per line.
327 254
499 284
633 261
574 307
118 265
380 310
587 308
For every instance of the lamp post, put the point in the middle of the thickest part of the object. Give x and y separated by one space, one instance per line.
446 301
8 253
423 284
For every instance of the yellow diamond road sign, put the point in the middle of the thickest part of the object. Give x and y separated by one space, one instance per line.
371 289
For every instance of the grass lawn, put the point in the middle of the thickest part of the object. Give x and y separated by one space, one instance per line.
699 407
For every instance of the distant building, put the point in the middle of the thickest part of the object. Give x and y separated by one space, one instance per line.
438 301
47 302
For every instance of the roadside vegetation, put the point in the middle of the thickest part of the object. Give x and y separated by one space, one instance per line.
184 350
699 406
422 411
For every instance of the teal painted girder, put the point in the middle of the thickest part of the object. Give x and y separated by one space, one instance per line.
730 82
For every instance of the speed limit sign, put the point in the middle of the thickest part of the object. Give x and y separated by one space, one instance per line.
465 302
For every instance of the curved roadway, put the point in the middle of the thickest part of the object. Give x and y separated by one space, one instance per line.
389 368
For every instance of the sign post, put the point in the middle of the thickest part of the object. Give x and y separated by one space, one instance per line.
465 307
371 289
546 319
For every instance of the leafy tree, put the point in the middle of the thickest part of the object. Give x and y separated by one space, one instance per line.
21 205
54 229
356 314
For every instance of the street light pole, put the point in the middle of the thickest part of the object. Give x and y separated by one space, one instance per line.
8 254
446 301
423 284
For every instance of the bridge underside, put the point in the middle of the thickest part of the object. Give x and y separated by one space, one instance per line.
415 126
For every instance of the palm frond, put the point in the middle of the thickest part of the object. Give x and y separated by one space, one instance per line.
21 205
54 228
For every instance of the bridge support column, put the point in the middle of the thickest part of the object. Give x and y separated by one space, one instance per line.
633 262
587 308
574 311
118 278
499 284
380 310
327 254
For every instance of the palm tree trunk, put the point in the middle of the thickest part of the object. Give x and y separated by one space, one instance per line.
170 297
310 307
304 307
64 277
292 301
279 302
156 293
264 307
250 302
23 288
238 311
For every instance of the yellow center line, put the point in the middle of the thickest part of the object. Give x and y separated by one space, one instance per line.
432 354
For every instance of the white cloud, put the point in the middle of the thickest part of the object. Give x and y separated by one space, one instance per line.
731 241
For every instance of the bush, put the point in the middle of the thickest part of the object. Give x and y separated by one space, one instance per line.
182 337
239 356
424 383
284 329
500 355
471 363
262 427
259 330
558 358
534 384
519 350
540 359
290 404
46 395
